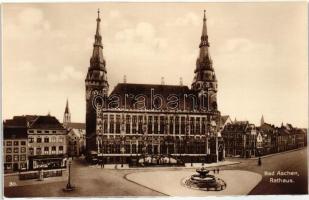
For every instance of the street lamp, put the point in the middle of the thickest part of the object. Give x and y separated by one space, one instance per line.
102 158
122 152
69 187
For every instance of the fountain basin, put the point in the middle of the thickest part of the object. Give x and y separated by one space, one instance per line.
204 181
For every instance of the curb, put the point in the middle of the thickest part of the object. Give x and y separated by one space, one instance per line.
279 153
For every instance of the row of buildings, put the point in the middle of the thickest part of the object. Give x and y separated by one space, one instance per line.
34 142
39 142
243 139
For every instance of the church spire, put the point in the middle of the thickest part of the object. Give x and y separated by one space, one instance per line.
67 107
67 114
97 60
204 71
97 37
262 120
204 37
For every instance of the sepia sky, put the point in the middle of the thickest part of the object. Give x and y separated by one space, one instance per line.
259 53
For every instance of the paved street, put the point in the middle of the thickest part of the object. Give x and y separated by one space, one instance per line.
93 181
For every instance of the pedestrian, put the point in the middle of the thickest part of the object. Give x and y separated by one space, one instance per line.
214 171
218 170
259 161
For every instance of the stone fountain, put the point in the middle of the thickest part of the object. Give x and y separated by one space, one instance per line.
204 181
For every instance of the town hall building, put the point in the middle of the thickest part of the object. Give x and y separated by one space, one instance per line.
142 124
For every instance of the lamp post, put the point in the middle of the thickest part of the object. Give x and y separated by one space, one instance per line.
69 187
102 158
122 152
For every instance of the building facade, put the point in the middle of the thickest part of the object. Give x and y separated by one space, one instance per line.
240 139
138 120
47 145
76 139
15 143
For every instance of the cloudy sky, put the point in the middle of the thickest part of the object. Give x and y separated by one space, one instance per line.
259 53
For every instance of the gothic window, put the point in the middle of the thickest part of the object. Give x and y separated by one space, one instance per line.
140 124
192 125
155 125
171 128
149 149
128 123
134 124
39 140
197 126
133 148
117 123
111 125
162 124
140 148
183 125
203 126
105 123
176 125
150 125
127 148
46 140
117 148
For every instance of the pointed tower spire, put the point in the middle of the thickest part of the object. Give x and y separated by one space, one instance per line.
96 84
97 60
97 37
262 120
204 37
67 114
205 81
67 107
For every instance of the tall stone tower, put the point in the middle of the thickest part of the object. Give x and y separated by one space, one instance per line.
96 85
67 115
205 81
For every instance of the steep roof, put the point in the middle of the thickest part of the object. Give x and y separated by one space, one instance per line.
130 93
20 121
46 122
224 118
267 127
239 127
